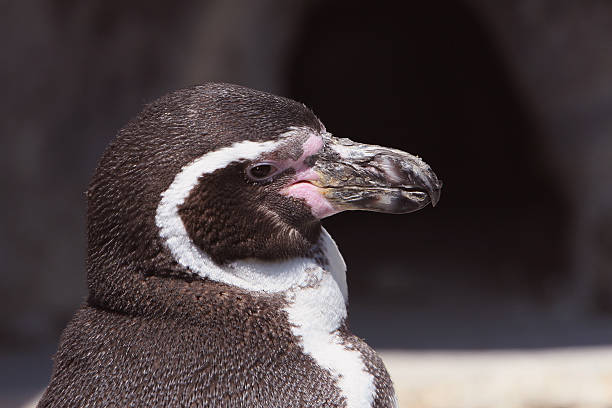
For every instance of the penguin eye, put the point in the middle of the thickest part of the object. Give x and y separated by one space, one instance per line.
261 171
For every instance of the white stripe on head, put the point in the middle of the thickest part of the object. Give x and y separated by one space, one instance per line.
252 274
317 297
171 227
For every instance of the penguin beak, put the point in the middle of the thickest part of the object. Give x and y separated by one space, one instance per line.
355 176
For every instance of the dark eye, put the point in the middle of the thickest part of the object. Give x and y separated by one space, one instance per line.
261 171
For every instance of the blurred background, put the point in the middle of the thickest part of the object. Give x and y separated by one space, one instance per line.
509 102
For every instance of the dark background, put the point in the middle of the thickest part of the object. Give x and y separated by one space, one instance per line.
509 102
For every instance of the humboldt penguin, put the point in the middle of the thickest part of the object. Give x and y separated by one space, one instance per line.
211 281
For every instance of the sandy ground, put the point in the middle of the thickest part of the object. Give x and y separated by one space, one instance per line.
549 378
557 378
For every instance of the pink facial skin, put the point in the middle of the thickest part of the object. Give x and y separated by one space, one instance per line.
302 187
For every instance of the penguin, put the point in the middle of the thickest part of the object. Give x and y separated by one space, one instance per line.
211 282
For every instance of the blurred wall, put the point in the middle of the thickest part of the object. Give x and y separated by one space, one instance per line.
507 102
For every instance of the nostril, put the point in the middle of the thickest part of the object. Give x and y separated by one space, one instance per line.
388 168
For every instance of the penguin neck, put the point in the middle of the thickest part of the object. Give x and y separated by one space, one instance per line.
313 287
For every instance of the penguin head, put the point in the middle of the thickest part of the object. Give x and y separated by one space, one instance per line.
234 174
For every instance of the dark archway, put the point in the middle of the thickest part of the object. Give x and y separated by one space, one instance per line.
427 79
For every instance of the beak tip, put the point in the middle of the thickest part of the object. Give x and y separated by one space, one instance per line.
434 193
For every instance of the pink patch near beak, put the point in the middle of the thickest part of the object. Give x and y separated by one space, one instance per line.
302 187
